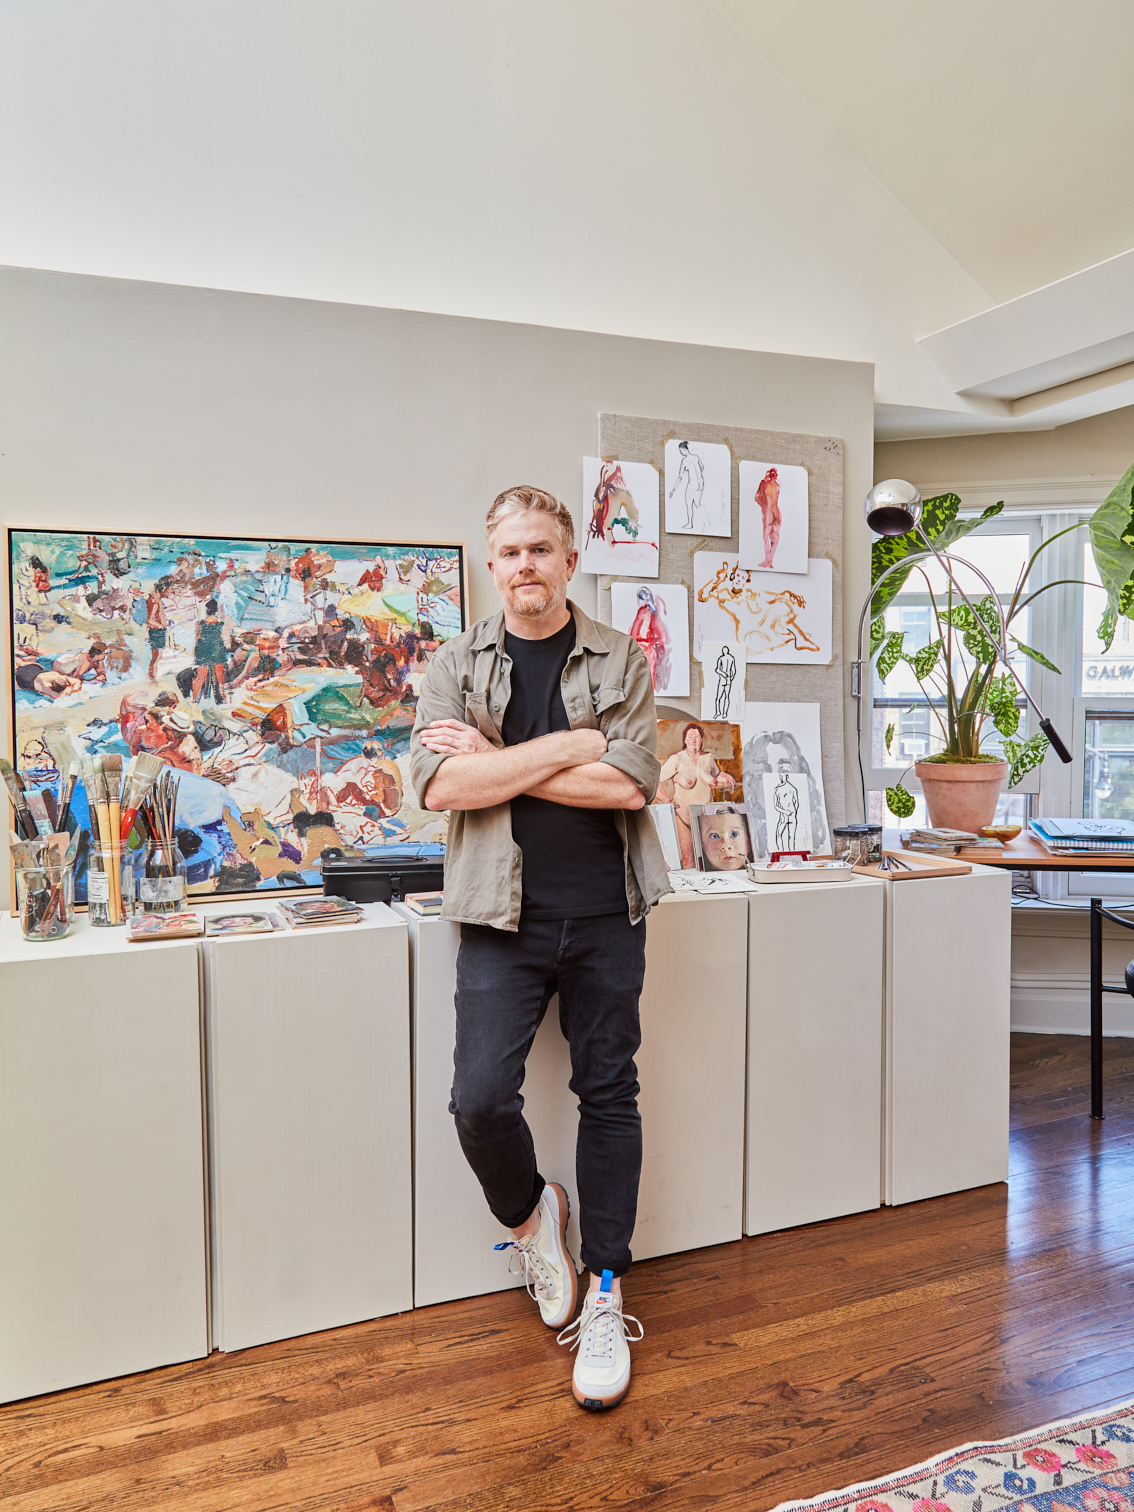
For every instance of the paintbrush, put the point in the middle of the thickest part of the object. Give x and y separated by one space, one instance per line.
143 772
37 806
15 785
100 818
67 758
112 777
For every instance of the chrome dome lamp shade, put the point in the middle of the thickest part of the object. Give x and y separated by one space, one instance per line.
892 507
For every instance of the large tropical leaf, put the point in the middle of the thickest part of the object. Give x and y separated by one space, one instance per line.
924 661
1001 702
977 643
900 802
940 523
1112 541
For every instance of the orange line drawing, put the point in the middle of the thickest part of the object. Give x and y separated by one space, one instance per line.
770 613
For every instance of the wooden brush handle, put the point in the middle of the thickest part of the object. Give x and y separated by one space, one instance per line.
116 861
107 850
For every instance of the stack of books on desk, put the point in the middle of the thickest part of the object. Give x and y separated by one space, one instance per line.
947 842
427 904
1085 837
305 913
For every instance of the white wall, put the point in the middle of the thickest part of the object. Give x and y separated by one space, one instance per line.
147 407
631 166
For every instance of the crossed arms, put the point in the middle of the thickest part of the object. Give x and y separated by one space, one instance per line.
565 767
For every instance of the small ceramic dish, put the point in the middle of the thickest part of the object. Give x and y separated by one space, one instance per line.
1001 832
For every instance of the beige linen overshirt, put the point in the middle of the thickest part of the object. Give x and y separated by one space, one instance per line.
606 686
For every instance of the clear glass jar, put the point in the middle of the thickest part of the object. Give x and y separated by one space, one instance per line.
857 843
46 900
163 880
110 887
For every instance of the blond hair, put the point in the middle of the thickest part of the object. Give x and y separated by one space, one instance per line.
514 500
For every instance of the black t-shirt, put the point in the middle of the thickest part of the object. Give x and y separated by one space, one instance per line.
573 863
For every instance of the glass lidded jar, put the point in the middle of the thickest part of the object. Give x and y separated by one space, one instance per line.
162 879
857 843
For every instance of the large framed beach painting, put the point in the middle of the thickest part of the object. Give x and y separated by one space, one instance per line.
279 678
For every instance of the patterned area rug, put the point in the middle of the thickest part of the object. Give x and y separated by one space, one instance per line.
1084 1464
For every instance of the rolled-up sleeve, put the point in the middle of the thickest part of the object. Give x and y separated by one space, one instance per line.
632 728
440 697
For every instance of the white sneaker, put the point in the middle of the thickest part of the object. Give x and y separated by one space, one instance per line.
601 1377
544 1261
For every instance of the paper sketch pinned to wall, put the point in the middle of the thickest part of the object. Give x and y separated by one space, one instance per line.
776 616
657 616
698 488
722 697
781 751
700 763
773 517
620 518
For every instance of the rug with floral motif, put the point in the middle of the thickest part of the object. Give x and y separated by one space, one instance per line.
1084 1464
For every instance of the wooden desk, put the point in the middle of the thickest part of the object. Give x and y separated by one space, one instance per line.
1027 854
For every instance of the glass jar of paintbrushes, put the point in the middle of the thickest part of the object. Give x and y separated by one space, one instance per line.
45 886
108 901
164 877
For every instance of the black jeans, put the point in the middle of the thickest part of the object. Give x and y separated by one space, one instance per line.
504 984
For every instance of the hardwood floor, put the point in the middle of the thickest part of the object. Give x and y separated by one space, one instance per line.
776 1367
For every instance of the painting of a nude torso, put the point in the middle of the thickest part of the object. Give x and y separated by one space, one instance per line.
279 678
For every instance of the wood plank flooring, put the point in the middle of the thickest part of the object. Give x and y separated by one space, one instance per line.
777 1367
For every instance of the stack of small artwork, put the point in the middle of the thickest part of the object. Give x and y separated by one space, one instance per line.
700 763
280 679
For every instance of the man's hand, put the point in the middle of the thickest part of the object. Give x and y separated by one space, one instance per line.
451 737
581 747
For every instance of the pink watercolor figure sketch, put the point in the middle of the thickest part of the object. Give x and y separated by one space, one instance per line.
613 505
773 615
768 498
691 477
652 634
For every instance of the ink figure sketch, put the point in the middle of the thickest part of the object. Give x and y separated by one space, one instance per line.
279 678
783 777
723 668
620 518
698 488
773 517
776 617
656 615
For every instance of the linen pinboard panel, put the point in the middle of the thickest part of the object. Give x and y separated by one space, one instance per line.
640 438
278 678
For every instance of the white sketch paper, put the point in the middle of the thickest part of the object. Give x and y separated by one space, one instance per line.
773 517
783 738
657 616
722 665
664 816
698 488
620 518
787 810
776 616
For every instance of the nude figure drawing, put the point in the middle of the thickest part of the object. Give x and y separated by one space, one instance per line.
772 616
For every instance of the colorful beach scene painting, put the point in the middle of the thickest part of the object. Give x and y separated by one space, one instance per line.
278 678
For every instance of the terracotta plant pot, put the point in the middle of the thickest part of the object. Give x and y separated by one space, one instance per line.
963 795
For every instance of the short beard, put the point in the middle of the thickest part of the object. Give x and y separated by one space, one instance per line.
529 607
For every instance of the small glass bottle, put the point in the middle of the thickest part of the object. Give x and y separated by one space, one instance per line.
110 886
163 879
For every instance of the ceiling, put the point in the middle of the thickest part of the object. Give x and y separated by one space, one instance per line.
1003 126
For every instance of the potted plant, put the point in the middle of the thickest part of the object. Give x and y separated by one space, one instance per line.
961 781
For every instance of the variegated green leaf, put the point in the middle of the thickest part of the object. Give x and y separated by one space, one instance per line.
1000 700
889 737
877 632
899 801
1107 626
891 653
977 643
1036 656
924 661
1024 756
936 515
1112 541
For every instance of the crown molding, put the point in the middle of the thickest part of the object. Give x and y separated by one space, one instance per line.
1086 492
